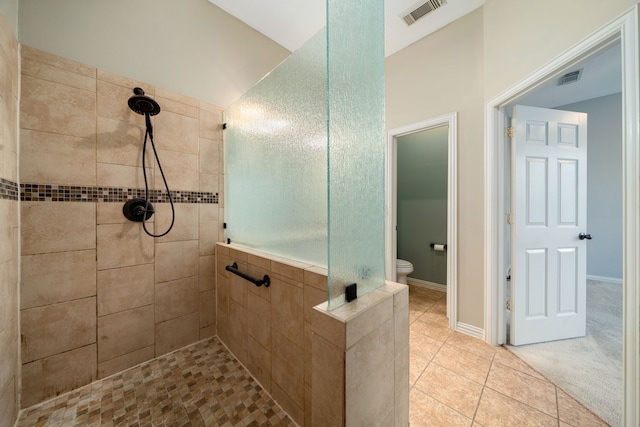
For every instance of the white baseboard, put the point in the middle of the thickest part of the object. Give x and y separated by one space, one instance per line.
605 279
470 330
427 284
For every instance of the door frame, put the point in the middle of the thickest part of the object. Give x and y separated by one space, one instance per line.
624 29
391 201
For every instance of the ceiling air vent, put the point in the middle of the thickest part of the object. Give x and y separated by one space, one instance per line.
417 12
571 77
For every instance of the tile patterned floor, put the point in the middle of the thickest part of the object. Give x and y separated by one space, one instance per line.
201 385
457 380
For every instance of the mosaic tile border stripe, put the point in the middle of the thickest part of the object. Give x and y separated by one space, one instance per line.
8 190
70 193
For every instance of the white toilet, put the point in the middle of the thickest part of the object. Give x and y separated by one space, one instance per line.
403 268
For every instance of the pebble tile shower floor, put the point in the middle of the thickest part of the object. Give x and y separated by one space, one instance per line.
200 385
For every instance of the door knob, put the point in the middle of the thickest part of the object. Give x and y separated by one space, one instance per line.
583 236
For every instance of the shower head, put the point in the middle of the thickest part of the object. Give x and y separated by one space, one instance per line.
142 104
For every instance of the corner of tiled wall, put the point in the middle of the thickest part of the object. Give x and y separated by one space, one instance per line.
9 231
311 361
98 294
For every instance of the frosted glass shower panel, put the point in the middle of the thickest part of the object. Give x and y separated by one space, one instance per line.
355 75
276 159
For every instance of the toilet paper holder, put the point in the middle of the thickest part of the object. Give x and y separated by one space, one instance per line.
433 246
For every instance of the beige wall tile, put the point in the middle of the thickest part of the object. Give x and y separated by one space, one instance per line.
208 331
207 301
177 97
207 271
49 377
31 54
208 237
208 212
288 367
9 406
209 156
237 328
9 215
56 108
369 379
120 143
110 175
123 332
9 344
328 383
316 277
222 326
401 388
293 410
112 101
259 273
177 133
208 183
53 73
57 277
238 287
123 245
365 314
401 329
211 122
118 364
222 288
126 82
185 224
169 105
308 353
125 288
176 298
293 272
180 170
8 295
312 297
259 319
329 328
57 328
57 227
176 260
111 213
259 363
176 333
57 159
287 310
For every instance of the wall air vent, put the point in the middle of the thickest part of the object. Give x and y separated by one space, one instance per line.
420 10
571 77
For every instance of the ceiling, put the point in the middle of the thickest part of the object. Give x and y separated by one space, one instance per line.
292 22
601 75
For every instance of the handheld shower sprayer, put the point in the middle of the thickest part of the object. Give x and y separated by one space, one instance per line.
141 209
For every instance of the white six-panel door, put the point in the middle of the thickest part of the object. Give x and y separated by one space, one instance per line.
548 213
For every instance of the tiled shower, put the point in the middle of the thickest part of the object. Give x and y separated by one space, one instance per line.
98 295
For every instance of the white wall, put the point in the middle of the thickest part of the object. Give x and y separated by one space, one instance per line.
520 36
188 46
463 66
438 75
604 183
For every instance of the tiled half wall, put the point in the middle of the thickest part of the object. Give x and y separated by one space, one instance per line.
347 367
98 295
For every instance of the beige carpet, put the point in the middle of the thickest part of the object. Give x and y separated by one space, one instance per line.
589 368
